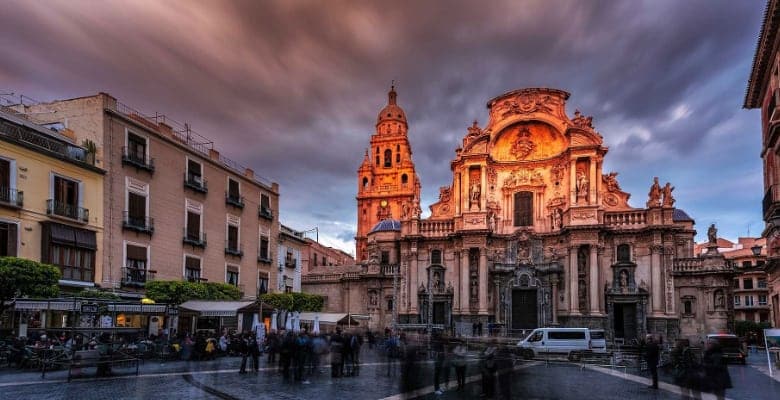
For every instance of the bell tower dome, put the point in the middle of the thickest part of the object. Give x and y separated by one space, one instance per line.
387 181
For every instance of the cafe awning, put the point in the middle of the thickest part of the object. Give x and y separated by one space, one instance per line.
40 305
328 318
205 308
138 308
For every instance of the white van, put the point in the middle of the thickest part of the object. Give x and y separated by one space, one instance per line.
569 341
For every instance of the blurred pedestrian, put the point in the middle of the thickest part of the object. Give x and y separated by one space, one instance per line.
459 362
244 350
438 348
716 370
254 351
488 362
302 350
652 354
336 354
505 367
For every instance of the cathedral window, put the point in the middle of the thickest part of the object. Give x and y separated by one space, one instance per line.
365 182
397 153
388 158
436 257
523 209
384 257
404 179
624 253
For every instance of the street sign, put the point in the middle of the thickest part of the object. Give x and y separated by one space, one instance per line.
89 309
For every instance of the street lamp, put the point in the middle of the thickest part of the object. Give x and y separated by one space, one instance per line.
756 249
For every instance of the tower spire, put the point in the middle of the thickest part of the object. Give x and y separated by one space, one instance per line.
391 97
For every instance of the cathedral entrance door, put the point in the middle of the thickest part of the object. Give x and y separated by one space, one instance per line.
524 311
439 312
625 320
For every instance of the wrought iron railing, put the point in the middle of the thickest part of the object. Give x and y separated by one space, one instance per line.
137 160
197 239
265 212
196 182
11 197
234 200
136 276
136 223
234 250
61 209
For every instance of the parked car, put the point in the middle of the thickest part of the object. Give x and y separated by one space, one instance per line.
730 346
570 341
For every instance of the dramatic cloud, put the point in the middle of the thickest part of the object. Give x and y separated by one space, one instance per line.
292 88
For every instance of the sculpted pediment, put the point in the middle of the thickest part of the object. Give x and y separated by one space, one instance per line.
524 141
580 137
443 207
613 198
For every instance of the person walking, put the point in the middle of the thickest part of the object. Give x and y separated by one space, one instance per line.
438 348
272 341
505 367
652 354
489 369
716 371
302 348
336 354
286 354
244 350
459 362
254 351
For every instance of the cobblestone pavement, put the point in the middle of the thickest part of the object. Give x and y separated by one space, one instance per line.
219 379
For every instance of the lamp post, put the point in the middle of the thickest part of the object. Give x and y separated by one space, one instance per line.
316 231
756 249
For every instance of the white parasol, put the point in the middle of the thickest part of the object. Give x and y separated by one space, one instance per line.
274 326
316 328
288 322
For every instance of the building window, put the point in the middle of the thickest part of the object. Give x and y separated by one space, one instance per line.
75 263
436 257
737 301
404 179
8 193
761 299
390 304
262 283
264 253
8 239
747 283
523 209
136 148
365 182
736 283
388 158
233 195
624 253
192 269
688 307
135 265
265 206
194 177
233 243
231 275
749 301
314 262
193 226
136 214
288 289
66 199
384 257
746 264
761 283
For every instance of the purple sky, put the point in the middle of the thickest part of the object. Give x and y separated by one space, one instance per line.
292 88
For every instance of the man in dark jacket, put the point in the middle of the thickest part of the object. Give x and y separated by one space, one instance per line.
336 354
652 353
243 348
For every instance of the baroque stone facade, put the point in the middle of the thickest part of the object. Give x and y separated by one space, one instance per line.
531 232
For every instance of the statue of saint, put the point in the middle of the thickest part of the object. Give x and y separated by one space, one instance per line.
474 192
654 196
667 192
712 234
582 185
623 279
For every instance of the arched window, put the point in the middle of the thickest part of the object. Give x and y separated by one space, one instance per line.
436 257
397 153
388 158
377 156
365 182
624 253
404 179
524 207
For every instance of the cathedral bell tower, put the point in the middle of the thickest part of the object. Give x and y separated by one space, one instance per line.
388 187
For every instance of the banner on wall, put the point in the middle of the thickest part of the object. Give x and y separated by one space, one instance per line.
772 345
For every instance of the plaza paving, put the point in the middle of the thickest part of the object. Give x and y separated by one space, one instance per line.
219 379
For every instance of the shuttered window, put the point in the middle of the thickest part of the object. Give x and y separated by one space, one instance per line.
523 209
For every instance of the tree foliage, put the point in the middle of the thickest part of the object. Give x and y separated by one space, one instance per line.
294 301
743 328
177 292
20 277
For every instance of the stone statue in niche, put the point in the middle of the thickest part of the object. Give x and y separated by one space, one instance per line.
623 279
582 293
405 210
474 196
582 185
720 299
438 285
668 200
372 298
492 221
654 196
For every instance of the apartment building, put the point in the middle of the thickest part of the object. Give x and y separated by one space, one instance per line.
291 246
51 200
318 257
175 208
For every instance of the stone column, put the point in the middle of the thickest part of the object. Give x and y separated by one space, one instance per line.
483 281
655 267
497 300
592 185
554 299
573 284
483 189
573 182
458 193
465 281
413 283
594 280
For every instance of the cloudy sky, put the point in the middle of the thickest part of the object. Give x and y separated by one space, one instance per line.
292 88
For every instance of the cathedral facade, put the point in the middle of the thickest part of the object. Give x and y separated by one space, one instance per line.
531 231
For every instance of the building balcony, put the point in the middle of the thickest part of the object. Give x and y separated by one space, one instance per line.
139 161
11 197
195 239
265 212
756 307
64 210
235 251
136 277
196 183
195 279
234 200
137 224
262 259
290 263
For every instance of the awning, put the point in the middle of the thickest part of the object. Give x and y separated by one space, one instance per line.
62 234
328 318
138 308
207 308
40 305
